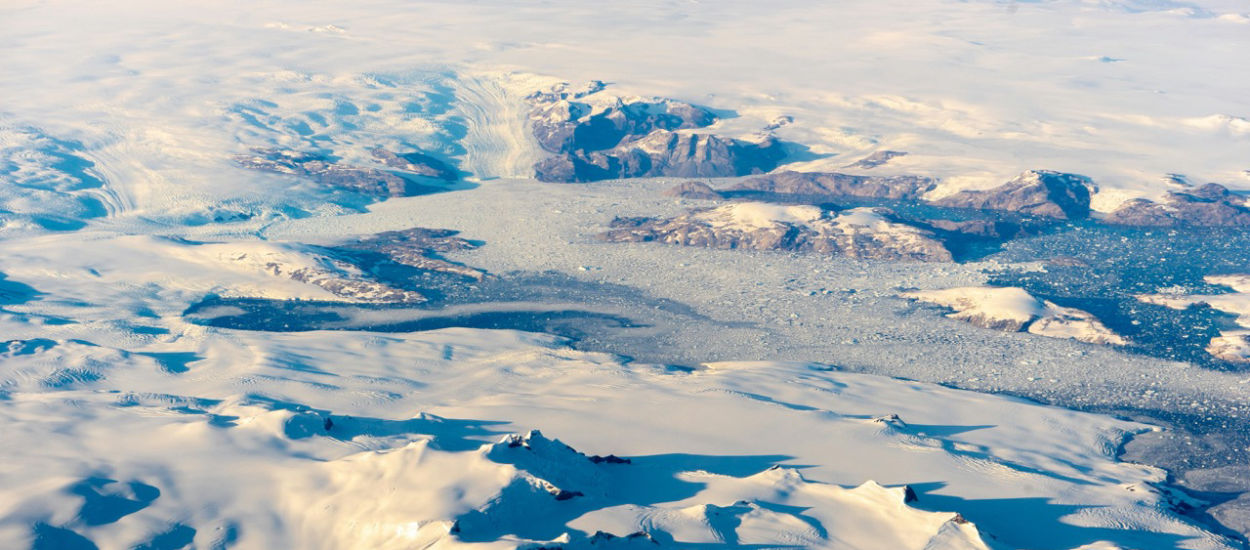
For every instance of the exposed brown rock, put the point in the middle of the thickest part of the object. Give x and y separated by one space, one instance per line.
370 181
416 163
1036 193
859 233
664 153
1211 205
694 190
562 124
876 159
833 184
418 247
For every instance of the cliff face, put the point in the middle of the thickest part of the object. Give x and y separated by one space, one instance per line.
665 153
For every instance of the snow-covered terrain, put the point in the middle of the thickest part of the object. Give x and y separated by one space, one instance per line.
1014 309
291 440
282 275
965 88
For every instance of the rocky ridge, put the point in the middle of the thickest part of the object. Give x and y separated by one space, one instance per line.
351 271
405 181
665 153
1040 193
1211 205
868 233
1036 192
419 248
835 185
596 136
876 159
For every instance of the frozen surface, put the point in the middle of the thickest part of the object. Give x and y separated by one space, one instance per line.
129 420
974 92
292 440
1232 344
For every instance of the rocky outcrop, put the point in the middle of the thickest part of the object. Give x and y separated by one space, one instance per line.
876 159
417 163
1036 193
330 173
564 121
596 136
990 229
565 90
355 271
858 233
833 184
665 153
1211 205
693 190
419 248
346 286
322 268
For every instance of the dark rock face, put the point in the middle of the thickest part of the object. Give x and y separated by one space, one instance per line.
876 159
354 270
417 163
859 233
566 126
600 137
694 190
833 184
1211 205
562 124
419 248
980 228
565 91
327 172
989 229
353 289
664 153
1036 193
610 459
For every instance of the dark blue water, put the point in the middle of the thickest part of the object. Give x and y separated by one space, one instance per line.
1105 268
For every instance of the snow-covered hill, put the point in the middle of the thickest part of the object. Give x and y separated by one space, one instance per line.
222 229
261 440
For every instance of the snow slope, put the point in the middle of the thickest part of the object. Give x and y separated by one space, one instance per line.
964 87
290 440
125 424
286 439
